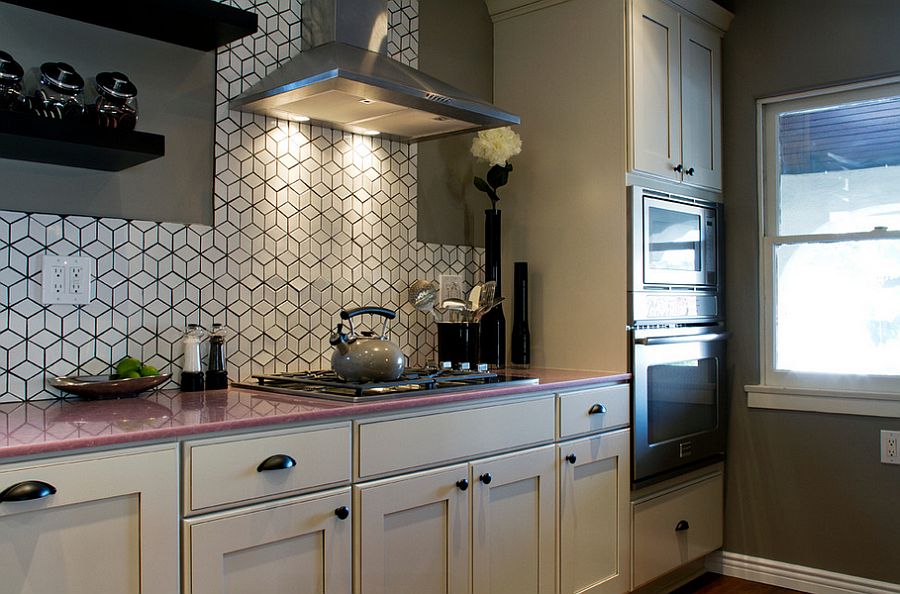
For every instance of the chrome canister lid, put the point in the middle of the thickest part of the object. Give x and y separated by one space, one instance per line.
10 70
61 77
115 85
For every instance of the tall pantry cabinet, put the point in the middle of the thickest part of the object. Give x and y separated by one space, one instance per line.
606 90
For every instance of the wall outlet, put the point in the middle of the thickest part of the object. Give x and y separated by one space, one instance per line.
451 287
67 279
890 444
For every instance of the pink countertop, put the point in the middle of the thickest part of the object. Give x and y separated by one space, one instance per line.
46 426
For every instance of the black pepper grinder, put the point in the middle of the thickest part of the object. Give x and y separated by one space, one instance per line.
216 374
521 337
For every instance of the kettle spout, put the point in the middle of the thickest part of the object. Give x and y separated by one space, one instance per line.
339 340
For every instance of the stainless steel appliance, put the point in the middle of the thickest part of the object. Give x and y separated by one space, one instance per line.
679 406
674 242
677 334
413 382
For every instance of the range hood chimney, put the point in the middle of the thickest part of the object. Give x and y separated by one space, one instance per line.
344 79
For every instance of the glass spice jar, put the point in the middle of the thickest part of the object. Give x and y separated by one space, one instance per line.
115 104
11 74
60 93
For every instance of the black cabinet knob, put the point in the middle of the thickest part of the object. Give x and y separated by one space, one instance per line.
682 526
571 458
276 462
462 484
678 168
597 409
690 171
343 512
27 491
486 478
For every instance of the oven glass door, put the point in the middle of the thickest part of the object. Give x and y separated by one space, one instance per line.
678 396
675 243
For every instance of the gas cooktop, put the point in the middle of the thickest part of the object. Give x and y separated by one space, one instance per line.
413 382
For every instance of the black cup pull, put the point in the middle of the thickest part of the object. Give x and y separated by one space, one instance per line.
690 171
486 478
678 168
343 512
597 409
571 458
462 484
682 526
27 491
276 462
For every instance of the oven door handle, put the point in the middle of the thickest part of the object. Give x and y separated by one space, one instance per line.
654 340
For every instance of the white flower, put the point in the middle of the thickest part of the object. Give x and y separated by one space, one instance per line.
496 146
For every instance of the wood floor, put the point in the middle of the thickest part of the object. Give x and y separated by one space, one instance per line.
713 583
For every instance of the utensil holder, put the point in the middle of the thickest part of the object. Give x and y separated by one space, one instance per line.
458 342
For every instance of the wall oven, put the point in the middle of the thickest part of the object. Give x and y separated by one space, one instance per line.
679 407
677 334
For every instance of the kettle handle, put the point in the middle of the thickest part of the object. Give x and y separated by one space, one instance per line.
379 311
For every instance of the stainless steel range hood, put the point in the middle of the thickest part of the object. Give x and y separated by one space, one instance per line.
344 79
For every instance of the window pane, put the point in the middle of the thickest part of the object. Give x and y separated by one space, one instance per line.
674 240
840 168
838 307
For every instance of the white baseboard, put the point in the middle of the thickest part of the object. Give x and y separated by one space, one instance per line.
797 577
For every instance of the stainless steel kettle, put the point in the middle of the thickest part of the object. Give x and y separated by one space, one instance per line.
366 356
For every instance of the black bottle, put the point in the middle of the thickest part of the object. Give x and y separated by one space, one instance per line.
216 374
520 346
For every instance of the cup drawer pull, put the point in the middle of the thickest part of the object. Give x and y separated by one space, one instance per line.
276 462
597 409
27 491
682 526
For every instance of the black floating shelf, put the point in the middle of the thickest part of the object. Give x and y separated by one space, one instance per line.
26 137
198 24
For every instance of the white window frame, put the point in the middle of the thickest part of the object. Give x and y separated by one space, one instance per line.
778 389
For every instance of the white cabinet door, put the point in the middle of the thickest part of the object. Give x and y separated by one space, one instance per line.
100 524
656 92
300 545
701 104
594 511
413 533
513 523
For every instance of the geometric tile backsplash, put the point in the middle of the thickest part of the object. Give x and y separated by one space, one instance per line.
307 220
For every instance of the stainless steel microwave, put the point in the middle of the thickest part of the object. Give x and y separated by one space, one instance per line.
676 242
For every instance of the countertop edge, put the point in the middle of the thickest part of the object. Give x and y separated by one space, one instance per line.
334 413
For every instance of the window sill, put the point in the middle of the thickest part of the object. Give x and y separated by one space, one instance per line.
870 404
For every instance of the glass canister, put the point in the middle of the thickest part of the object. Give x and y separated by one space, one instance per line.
60 92
115 104
11 74
191 368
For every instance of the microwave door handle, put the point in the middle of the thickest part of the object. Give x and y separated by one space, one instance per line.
681 339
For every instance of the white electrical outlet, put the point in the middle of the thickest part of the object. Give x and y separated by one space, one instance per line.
890 447
67 279
451 287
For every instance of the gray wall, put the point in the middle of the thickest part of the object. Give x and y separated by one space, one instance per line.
802 488
455 45
176 98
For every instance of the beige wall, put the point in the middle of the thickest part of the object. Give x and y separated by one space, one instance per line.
455 45
802 488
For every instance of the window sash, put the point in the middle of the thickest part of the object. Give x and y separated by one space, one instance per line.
769 173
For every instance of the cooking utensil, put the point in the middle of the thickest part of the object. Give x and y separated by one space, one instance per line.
488 290
422 295
366 356
103 386
483 310
474 297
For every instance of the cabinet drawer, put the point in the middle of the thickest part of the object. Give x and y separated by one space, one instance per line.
388 446
221 472
676 528
582 412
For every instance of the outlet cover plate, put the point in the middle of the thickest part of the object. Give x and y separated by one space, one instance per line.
890 447
66 279
451 287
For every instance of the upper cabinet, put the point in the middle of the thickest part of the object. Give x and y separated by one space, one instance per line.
675 95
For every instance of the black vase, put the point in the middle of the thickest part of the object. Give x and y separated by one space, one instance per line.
493 324
520 347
